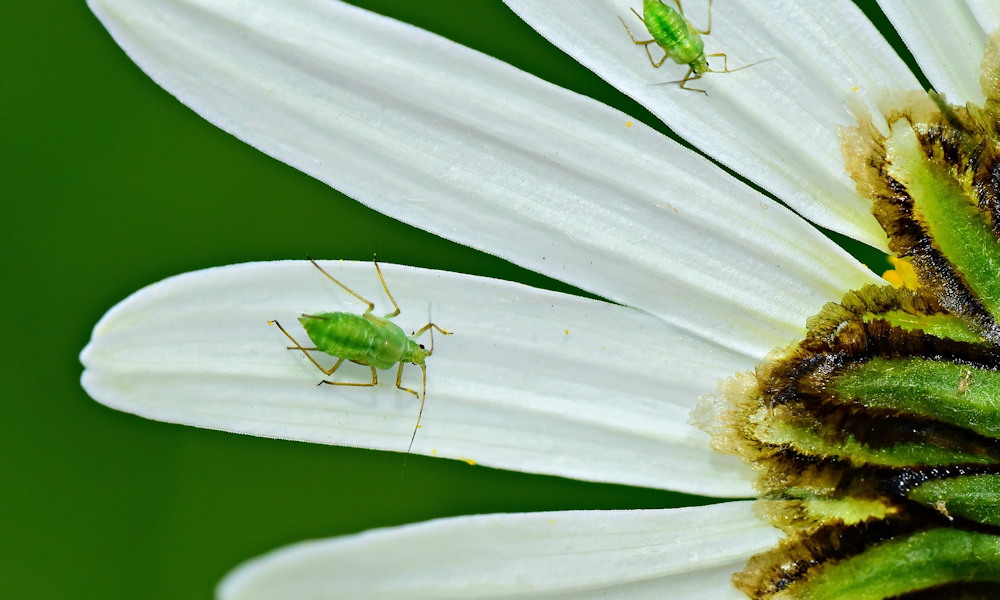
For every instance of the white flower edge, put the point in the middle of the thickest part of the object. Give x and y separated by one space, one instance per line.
530 380
948 39
467 147
774 123
681 554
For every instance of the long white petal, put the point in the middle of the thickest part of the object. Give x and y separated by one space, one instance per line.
774 123
681 554
948 39
530 380
467 147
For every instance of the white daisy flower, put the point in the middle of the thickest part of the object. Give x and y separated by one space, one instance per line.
705 275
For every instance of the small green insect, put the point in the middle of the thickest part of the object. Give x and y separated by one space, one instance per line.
366 339
679 39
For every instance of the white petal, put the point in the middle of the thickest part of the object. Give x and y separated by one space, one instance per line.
681 554
776 122
948 39
467 147
987 13
530 380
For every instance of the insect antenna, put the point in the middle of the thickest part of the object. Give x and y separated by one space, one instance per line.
420 413
423 388
423 378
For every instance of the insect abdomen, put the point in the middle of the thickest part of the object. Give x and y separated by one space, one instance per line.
672 32
364 339
344 335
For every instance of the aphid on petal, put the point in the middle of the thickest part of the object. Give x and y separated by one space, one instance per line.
679 39
366 339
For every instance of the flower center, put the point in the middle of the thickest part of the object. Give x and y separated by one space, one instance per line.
876 439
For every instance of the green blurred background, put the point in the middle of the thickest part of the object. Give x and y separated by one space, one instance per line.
112 185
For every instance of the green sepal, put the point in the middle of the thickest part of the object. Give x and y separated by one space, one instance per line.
905 564
811 441
876 438
944 326
972 497
946 205
954 393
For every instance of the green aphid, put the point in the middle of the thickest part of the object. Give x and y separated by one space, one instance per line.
366 339
679 39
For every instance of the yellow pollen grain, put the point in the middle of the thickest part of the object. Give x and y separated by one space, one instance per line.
901 274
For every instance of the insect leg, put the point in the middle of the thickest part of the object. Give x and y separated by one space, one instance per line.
371 306
371 383
725 63
634 41
656 63
326 372
690 76
645 44
430 326
708 29
387 292
399 380
305 351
